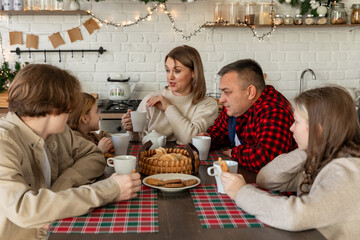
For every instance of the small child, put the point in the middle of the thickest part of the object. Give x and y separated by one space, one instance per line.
84 121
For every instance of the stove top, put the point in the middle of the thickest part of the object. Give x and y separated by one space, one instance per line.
119 106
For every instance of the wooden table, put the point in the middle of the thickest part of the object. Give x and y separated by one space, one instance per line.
179 220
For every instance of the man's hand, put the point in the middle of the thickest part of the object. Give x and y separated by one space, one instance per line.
227 152
129 185
126 121
158 101
203 134
232 183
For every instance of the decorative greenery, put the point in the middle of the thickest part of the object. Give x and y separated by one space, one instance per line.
308 5
7 75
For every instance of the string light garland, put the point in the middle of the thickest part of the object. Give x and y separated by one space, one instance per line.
185 36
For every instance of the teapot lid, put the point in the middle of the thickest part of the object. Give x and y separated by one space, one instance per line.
118 80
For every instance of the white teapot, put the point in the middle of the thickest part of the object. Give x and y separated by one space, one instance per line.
156 138
120 89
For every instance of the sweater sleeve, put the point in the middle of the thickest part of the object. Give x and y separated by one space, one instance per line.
283 173
184 129
331 200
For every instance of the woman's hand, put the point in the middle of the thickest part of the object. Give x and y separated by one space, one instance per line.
158 101
105 144
128 184
232 183
126 121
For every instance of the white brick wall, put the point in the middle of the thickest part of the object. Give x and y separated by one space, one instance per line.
139 51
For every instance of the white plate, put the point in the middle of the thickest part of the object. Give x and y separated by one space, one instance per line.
168 176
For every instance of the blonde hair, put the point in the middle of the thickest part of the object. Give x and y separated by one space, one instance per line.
87 101
334 129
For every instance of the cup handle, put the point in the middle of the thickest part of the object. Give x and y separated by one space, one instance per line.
214 173
110 162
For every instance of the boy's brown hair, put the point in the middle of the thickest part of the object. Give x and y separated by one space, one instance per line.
41 89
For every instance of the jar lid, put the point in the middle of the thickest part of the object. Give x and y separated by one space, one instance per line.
309 15
287 15
355 5
321 15
298 15
278 15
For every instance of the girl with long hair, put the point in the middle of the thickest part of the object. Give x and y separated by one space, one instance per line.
324 171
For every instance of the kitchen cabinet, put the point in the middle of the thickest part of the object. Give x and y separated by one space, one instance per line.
44 12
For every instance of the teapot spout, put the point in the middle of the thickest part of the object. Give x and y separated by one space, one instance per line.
162 141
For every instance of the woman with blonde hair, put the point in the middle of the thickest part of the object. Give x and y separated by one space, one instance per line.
324 171
182 109
84 120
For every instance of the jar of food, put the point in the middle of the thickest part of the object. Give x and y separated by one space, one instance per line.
278 20
249 12
321 20
288 20
298 19
218 12
265 13
355 14
338 14
309 20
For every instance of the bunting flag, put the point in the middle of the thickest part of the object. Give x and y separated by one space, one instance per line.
91 25
15 38
56 40
75 34
32 41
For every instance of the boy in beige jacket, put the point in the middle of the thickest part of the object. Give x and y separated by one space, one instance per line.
46 171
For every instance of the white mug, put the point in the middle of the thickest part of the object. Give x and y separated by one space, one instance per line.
138 119
216 171
120 142
123 164
202 143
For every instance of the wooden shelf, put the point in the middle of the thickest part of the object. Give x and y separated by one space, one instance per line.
44 12
217 25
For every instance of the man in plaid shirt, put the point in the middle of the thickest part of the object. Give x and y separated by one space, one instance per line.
256 119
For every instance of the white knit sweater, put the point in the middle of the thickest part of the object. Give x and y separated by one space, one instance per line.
182 120
332 206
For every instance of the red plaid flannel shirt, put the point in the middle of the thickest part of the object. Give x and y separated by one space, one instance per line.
264 131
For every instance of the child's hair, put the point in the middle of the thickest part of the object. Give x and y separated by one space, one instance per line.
87 101
334 129
41 89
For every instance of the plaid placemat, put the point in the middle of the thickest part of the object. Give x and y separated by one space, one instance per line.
138 215
213 156
219 211
134 149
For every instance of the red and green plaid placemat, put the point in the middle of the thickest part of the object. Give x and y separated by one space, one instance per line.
138 215
134 149
217 210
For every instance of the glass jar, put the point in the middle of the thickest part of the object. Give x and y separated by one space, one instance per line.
309 20
265 13
355 14
249 13
298 19
278 20
218 6
288 20
321 20
338 14
233 12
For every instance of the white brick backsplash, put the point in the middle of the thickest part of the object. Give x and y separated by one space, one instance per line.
139 51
